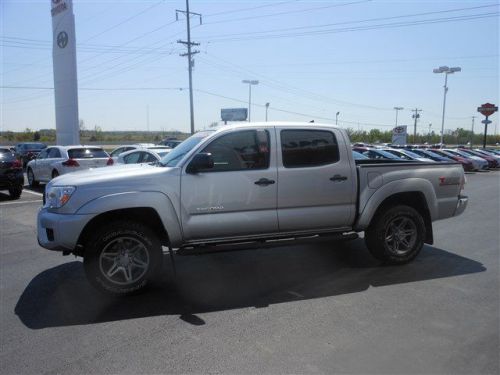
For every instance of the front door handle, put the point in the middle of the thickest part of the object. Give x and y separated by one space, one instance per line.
338 177
264 182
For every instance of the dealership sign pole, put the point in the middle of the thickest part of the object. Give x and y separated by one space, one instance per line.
64 66
486 110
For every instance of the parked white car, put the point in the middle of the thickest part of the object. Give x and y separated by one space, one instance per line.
57 160
121 149
143 155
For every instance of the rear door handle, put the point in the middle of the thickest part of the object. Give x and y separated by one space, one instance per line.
338 177
264 182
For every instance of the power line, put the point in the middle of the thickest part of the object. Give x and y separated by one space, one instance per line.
248 9
354 22
273 83
287 12
125 20
227 38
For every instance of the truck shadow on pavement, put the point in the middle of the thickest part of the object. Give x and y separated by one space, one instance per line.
257 277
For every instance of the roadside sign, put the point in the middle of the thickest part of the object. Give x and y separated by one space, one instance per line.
487 109
233 114
399 134
486 122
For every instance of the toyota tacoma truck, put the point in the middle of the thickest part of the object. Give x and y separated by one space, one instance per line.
251 182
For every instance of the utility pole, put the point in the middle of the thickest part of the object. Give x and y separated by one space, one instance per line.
189 53
416 116
472 135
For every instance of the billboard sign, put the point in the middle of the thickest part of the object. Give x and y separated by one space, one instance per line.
234 114
399 135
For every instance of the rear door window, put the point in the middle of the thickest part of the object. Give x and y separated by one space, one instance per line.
54 153
133 158
308 148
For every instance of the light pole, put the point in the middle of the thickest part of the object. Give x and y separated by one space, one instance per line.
446 70
397 110
267 108
430 126
337 118
250 83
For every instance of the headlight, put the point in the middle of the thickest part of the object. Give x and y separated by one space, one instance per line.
58 196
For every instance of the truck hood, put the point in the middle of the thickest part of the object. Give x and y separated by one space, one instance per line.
128 173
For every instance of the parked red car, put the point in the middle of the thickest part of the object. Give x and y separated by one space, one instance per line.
466 164
492 162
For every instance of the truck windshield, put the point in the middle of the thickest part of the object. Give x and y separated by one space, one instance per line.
175 156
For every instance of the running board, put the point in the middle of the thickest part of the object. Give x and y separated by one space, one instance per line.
263 243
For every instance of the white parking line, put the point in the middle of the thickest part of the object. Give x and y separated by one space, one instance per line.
23 202
32 192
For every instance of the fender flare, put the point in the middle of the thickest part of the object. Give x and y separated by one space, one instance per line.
157 201
408 185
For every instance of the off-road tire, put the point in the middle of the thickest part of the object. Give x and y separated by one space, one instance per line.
31 180
105 241
378 237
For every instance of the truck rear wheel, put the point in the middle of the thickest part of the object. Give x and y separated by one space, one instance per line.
396 235
122 258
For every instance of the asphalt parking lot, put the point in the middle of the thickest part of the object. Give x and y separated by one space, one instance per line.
320 307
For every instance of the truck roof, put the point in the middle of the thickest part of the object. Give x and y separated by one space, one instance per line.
270 124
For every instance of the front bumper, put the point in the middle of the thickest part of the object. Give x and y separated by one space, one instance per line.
60 232
461 205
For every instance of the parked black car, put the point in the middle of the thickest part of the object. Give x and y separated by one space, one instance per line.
11 174
27 151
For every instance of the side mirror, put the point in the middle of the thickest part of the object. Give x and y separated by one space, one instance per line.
200 161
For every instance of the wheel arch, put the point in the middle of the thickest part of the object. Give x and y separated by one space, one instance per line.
144 215
413 199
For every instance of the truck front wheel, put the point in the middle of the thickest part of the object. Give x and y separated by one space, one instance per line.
122 258
396 235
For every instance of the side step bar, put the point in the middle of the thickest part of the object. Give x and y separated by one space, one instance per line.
259 244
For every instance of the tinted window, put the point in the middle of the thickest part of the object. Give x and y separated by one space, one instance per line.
174 157
42 155
308 148
118 151
87 153
148 158
54 153
247 149
132 158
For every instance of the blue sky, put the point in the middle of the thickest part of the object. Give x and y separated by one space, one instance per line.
312 59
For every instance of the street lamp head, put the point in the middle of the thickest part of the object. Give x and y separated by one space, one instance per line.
398 108
338 113
441 69
267 105
455 69
250 82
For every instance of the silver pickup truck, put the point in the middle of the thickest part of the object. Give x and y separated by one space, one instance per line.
251 182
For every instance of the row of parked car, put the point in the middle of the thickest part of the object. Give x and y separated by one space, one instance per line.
43 163
471 159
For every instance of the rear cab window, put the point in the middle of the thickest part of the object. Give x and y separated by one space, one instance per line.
308 148
87 153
